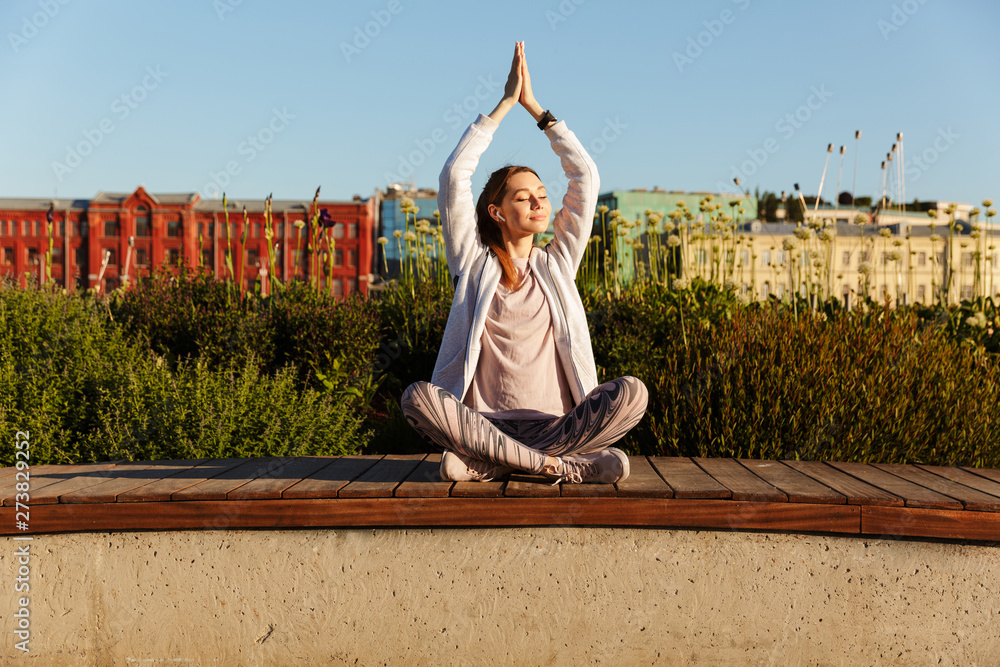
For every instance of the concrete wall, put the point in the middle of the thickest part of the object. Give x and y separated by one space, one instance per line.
562 596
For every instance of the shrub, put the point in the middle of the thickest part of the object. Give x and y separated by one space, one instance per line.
762 381
194 316
86 392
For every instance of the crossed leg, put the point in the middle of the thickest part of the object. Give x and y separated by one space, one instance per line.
602 418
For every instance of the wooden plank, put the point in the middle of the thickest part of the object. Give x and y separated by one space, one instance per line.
468 512
856 491
744 484
798 487
688 480
968 479
643 481
327 482
991 474
913 495
127 479
381 479
424 481
478 489
162 489
588 490
968 497
530 486
219 486
934 523
43 475
88 475
274 482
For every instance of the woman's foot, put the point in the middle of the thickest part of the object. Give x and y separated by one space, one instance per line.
607 466
459 468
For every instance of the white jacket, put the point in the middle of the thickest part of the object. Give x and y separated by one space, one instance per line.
476 271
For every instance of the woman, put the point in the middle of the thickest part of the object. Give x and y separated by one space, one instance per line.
515 384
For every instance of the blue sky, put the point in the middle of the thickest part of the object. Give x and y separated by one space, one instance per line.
256 97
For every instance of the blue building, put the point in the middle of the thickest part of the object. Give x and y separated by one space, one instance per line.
390 218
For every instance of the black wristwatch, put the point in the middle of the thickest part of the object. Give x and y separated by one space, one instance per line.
547 118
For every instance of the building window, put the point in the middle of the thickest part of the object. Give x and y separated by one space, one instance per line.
62 228
866 256
765 290
56 254
744 258
174 229
338 257
84 229
352 231
781 291
173 256
966 292
967 259
766 258
281 230
81 256
338 288
37 228
921 259
299 257
701 257
32 256
939 258
142 221
353 284
8 256
110 284
352 257
206 258
921 293
846 261
211 230
255 233
253 256
110 229
141 257
338 230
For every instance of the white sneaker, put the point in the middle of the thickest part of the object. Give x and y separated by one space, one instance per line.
459 468
607 466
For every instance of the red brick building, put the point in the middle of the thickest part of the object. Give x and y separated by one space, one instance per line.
170 229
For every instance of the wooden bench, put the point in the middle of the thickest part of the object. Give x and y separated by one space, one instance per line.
946 503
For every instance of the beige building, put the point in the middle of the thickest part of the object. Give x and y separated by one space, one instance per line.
905 257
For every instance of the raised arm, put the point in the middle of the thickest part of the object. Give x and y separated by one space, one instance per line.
455 199
575 220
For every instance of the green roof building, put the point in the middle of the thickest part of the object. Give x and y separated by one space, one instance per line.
633 204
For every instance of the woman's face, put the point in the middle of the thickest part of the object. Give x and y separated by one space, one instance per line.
525 207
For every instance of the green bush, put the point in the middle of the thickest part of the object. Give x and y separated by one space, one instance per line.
85 391
194 316
769 381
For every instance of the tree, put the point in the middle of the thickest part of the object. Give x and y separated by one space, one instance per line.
767 206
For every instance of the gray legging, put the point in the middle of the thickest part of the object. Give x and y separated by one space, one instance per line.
601 419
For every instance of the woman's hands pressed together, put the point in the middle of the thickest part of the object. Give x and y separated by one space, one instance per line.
518 89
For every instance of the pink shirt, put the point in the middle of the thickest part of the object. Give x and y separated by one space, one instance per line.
518 375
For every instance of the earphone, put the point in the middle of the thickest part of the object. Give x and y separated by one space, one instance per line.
500 215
